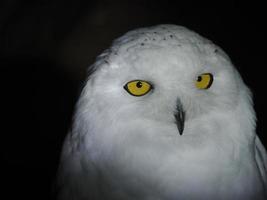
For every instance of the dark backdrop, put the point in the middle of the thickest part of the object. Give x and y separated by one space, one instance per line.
45 47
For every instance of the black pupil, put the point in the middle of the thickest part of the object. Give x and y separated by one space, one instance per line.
139 84
199 78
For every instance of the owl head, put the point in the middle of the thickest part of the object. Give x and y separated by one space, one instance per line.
166 78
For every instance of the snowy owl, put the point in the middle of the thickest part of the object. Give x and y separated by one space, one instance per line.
164 115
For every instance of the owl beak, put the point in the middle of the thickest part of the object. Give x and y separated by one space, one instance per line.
179 116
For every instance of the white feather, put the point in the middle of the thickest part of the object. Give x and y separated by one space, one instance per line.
126 147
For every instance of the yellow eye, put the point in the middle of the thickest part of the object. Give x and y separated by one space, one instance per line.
204 81
137 87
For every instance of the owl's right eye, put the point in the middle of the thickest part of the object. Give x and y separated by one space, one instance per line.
137 87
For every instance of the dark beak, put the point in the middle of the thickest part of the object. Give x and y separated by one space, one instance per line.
179 116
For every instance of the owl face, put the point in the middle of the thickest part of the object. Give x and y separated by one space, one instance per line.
165 83
153 85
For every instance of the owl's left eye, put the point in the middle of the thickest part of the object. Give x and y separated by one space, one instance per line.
204 81
137 87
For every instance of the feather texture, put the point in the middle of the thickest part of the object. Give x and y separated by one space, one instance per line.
127 147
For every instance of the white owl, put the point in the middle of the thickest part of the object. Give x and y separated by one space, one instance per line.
163 116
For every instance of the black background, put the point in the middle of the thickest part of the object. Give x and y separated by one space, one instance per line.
45 47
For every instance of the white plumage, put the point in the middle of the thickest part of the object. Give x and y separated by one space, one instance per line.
179 140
